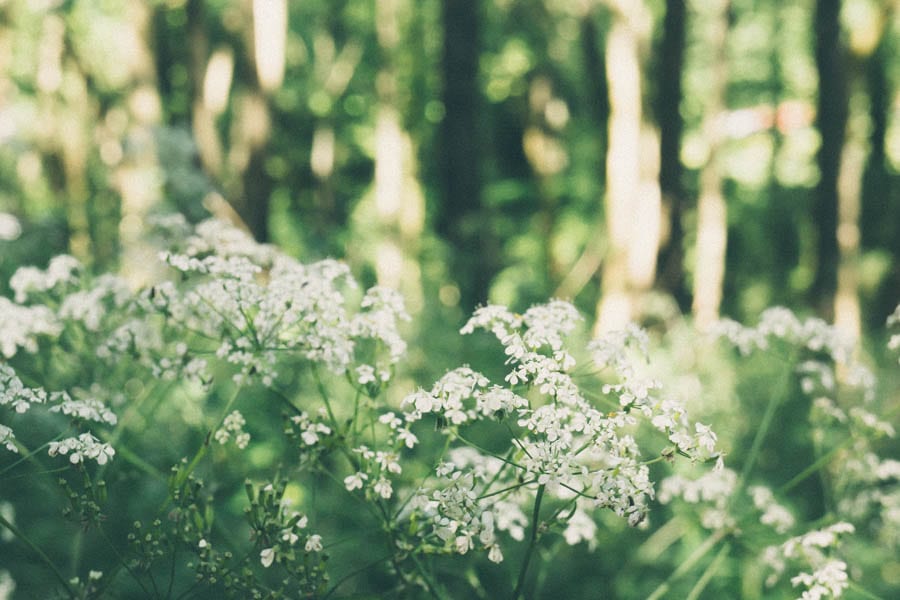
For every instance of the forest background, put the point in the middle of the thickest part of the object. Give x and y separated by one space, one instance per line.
728 154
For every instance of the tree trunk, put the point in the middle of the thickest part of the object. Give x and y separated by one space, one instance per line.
881 190
712 221
632 174
399 201
461 220
136 176
670 274
831 122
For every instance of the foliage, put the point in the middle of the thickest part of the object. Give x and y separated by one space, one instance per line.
248 424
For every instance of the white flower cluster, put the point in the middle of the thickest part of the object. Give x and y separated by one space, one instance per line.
893 321
381 465
233 426
21 399
781 323
310 430
90 306
463 511
20 326
713 490
88 409
567 448
28 281
260 303
85 446
828 578
289 537
15 394
774 514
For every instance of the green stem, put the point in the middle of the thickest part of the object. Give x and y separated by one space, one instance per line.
818 464
507 489
324 393
34 548
771 408
864 592
204 448
532 542
709 573
488 452
431 585
353 574
688 564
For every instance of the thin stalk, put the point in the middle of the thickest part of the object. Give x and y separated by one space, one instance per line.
354 429
424 478
122 560
488 452
431 585
507 489
709 573
34 548
864 592
775 401
815 466
204 448
687 565
29 455
535 516
324 393
353 574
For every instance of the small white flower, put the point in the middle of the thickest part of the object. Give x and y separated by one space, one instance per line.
463 543
314 543
203 544
495 554
355 481
267 557
383 488
365 374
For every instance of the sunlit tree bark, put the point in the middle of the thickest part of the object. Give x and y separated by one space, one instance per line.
863 146
632 171
137 177
398 198
712 222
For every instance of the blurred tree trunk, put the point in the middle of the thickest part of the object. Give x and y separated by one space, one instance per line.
137 177
712 217
847 318
241 173
831 121
597 93
881 190
204 108
670 267
862 158
333 71
632 173
461 218
399 201
547 156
